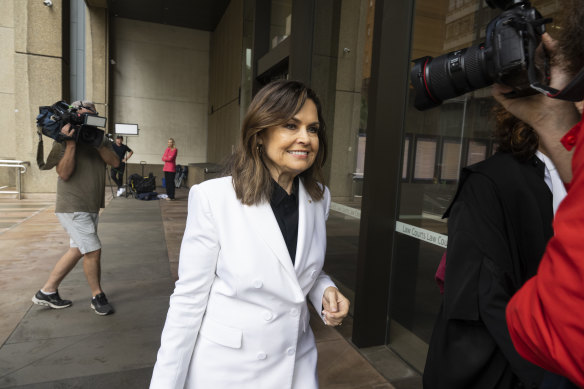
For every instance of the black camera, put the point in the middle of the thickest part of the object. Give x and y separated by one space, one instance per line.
507 56
51 120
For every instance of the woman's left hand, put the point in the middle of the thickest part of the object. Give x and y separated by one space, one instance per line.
335 306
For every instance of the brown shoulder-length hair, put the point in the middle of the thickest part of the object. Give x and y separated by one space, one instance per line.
275 104
514 136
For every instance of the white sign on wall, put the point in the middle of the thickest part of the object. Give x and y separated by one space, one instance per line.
126 129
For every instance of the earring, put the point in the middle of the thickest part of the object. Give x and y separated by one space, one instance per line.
260 149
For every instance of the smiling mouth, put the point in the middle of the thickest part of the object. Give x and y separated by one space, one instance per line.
303 153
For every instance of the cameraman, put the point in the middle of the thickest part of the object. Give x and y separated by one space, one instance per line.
545 316
80 195
117 173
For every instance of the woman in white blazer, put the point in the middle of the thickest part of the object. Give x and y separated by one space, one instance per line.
252 252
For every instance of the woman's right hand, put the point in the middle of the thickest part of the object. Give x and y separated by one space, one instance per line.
335 306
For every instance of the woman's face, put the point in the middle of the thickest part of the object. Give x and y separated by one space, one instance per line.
170 143
291 148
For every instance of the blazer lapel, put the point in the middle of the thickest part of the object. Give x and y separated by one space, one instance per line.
305 224
262 220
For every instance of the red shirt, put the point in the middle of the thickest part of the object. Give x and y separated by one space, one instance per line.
546 316
169 159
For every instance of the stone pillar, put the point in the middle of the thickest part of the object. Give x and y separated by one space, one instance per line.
97 60
34 71
349 79
37 57
7 87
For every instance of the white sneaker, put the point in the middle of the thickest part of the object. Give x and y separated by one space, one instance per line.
119 192
122 191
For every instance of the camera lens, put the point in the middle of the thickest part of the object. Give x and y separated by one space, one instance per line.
450 75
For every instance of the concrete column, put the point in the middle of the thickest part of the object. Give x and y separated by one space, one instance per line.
7 87
347 99
225 83
97 60
36 61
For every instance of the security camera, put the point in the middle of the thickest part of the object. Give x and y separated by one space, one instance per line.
48 3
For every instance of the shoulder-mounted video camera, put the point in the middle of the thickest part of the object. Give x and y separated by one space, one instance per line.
51 120
507 56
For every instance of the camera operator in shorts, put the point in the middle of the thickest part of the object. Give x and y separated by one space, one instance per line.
117 173
80 195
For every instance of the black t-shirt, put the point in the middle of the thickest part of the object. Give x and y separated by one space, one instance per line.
121 150
285 207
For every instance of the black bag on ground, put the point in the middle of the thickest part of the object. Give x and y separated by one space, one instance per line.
141 184
147 196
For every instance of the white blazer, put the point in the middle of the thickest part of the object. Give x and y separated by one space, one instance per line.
238 316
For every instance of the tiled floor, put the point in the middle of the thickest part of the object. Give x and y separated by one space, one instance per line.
28 227
74 348
31 237
341 264
12 214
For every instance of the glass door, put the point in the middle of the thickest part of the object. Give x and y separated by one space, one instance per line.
437 144
347 137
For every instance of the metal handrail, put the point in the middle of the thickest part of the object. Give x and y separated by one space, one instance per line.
21 165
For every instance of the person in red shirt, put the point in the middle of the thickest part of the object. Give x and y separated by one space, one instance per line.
545 317
169 168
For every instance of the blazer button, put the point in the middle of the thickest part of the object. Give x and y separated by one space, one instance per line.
294 312
261 355
268 316
257 284
290 350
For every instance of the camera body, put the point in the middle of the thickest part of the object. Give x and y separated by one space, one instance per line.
507 56
51 120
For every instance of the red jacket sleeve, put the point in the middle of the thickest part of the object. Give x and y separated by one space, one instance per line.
546 316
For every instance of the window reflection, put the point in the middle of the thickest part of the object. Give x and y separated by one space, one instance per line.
280 21
450 162
445 139
348 39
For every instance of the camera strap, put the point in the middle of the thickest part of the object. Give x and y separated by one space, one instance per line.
40 157
40 152
574 91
